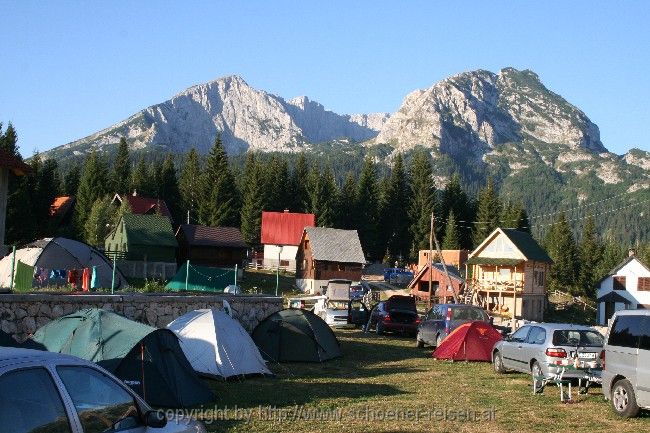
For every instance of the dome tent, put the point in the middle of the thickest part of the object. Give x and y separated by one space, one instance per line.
147 359
62 253
472 341
294 335
216 345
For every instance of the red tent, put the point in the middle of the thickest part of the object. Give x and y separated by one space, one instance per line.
471 341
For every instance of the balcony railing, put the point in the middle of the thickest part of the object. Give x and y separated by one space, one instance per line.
497 285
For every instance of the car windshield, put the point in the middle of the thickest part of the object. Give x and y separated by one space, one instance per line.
467 314
337 305
572 337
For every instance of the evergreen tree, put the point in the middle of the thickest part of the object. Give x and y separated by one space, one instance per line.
455 199
452 236
140 179
322 193
168 188
422 202
591 252
299 178
367 210
98 223
123 209
92 185
277 180
121 169
154 179
345 203
71 181
9 140
397 223
219 205
613 254
488 213
252 200
190 183
513 215
562 248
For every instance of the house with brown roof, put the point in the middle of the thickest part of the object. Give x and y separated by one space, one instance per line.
327 254
211 246
509 272
143 205
281 233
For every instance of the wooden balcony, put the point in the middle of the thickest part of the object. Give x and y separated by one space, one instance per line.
507 286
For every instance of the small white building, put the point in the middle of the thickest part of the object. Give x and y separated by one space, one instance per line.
281 234
627 287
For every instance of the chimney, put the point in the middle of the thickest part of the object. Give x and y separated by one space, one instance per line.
631 252
135 193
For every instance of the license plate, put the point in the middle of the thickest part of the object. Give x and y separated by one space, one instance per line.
587 355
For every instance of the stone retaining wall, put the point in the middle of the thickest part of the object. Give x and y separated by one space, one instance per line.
22 314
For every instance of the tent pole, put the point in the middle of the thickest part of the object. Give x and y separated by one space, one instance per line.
235 276
113 276
187 274
13 265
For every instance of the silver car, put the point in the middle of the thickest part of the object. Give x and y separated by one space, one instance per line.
50 392
626 362
540 349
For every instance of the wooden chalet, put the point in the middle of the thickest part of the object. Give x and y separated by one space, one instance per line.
440 292
211 246
326 254
509 272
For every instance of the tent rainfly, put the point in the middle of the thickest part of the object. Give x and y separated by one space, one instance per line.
216 345
149 360
201 279
62 253
471 341
294 335
7 340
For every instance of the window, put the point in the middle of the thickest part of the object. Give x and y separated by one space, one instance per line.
504 273
520 335
574 337
30 402
644 284
101 403
626 331
284 263
537 335
538 278
619 283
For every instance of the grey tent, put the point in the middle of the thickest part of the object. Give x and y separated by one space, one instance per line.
65 254
147 359
295 335
7 340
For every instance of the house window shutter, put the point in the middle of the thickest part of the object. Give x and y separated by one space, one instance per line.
644 284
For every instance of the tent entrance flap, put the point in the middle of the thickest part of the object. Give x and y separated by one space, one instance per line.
201 279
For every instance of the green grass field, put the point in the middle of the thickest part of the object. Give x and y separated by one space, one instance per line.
380 374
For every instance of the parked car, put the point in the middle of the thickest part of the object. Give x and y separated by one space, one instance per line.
442 319
626 362
358 291
43 391
342 313
539 348
396 314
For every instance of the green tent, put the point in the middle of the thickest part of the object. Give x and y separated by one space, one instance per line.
294 335
147 359
201 279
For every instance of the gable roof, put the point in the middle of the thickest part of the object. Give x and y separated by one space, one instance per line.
285 228
454 274
621 265
524 242
206 236
13 163
154 230
335 245
61 206
144 205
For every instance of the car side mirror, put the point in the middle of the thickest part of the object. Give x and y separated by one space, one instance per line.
155 419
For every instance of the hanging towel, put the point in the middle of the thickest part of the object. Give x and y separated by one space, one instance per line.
94 281
85 280
23 277
73 275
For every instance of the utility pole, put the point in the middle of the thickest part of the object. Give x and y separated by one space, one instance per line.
430 264
442 261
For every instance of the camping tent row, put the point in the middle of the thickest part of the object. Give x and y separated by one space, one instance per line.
61 253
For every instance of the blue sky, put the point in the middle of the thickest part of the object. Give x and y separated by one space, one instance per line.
70 68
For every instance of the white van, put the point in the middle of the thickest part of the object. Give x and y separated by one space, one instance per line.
626 362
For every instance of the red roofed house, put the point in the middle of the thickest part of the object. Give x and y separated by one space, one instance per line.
211 246
8 163
144 205
281 234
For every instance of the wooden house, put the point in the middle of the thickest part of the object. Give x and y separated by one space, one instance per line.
326 254
509 272
211 246
626 287
440 291
281 232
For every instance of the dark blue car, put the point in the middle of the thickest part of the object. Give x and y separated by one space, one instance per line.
444 318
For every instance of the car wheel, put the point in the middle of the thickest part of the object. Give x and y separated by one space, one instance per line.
439 339
624 400
379 329
418 343
497 361
536 370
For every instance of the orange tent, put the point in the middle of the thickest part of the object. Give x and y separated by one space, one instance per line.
471 341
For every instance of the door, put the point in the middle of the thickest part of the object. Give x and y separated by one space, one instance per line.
609 310
643 365
512 349
534 348
428 326
102 404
